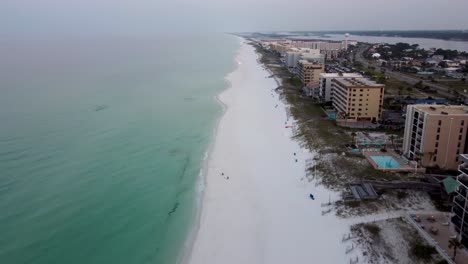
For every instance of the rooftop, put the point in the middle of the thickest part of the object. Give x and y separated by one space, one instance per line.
336 74
443 109
308 63
359 82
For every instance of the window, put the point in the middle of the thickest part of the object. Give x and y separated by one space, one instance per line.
462 123
360 100
359 109
354 100
435 158
461 130
459 144
354 90
437 137
353 104
438 130
360 104
360 94
352 109
456 159
354 95
361 90
459 137
437 144
440 122
435 151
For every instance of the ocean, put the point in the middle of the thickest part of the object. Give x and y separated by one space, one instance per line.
102 141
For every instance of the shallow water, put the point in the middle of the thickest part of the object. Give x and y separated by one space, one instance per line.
101 145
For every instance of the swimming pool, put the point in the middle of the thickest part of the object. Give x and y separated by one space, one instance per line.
386 162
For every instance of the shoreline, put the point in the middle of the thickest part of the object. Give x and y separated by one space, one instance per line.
251 217
201 183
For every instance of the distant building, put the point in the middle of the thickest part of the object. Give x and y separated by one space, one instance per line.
435 134
358 98
314 56
460 202
331 49
309 72
325 83
280 48
293 55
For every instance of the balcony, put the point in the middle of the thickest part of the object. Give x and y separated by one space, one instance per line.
463 178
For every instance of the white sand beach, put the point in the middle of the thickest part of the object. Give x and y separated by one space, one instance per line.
262 213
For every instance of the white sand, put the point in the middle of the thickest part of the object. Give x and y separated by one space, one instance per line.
262 213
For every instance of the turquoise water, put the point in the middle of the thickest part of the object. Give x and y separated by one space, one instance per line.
386 162
101 144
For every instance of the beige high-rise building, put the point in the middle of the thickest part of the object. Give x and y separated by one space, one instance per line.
358 98
436 134
309 72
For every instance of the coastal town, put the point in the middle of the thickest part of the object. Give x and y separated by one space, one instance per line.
390 125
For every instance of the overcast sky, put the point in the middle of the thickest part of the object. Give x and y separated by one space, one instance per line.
156 16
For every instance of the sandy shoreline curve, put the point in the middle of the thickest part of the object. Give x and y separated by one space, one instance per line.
255 205
184 257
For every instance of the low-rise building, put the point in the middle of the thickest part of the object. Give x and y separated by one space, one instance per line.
309 72
436 134
358 98
325 83
460 202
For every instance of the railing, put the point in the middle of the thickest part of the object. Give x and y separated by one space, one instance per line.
430 240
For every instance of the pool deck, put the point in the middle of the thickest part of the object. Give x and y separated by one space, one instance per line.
403 166
445 232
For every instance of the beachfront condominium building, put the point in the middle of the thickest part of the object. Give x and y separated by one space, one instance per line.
280 48
325 83
435 134
460 202
358 98
309 72
313 56
293 55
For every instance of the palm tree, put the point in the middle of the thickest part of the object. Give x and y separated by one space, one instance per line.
431 155
354 138
358 116
455 244
392 139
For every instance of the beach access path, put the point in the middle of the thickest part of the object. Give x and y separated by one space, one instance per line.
256 206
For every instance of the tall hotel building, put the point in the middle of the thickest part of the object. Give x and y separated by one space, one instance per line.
435 135
358 98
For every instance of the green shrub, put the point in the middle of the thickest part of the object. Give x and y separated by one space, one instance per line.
402 195
422 251
372 228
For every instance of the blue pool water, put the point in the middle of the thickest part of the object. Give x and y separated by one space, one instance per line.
386 161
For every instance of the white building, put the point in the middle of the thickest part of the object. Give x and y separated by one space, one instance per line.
326 93
314 56
293 55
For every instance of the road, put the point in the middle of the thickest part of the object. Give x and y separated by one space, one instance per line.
442 90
